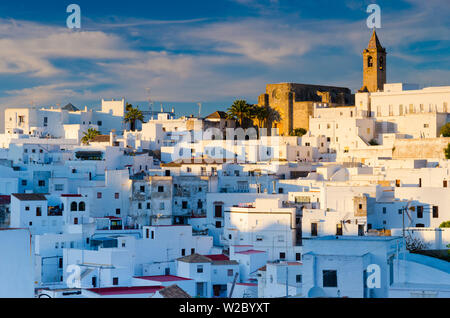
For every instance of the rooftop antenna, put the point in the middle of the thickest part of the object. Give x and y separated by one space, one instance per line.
199 109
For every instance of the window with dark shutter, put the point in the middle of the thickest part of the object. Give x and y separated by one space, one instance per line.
329 278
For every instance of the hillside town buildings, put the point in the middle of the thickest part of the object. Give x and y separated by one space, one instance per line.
176 208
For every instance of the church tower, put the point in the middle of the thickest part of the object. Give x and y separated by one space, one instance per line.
374 71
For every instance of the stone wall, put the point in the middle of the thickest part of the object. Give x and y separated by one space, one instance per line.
425 148
294 102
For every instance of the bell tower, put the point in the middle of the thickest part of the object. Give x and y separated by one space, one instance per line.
374 70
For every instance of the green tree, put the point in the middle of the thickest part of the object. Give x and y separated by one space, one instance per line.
133 115
89 135
445 224
274 116
240 110
261 113
445 130
298 132
447 151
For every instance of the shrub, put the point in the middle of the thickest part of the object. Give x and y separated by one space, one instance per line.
445 130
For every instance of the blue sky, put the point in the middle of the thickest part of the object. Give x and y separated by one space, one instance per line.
208 51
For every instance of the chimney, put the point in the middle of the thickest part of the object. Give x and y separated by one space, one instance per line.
112 137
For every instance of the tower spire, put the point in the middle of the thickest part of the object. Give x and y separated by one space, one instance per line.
374 65
374 42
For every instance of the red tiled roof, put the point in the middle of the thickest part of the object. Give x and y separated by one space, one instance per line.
5 199
247 284
163 278
30 196
111 217
294 263
250 252
125 290
218 257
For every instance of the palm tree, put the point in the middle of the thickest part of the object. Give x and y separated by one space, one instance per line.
273 116
261 115
89 135
133 115
240 110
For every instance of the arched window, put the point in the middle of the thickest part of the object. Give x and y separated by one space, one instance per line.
73 206
82 206
369 61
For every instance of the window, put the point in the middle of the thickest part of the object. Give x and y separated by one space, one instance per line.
218 211
298 279
94 281
123 243
298 256
160 189
24 182
117 211
73 206
199 204
99 123
139 205
148 205
435 211
115 281
184 205
280 190
192 250
384 210
419 212
147 233
116 195
339 229
329 278
59 187
218 224
161 206
38 211
142 189
426 125
313 229
75 221
230 272
282 255
199 268
153 235
99 195
41 183
82 206
183 252
27 208
445 183
60 263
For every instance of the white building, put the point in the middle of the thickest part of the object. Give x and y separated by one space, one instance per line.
16 264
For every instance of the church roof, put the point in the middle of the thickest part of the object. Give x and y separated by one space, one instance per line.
374 42
70 108
217 114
